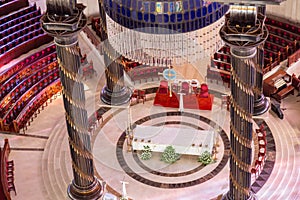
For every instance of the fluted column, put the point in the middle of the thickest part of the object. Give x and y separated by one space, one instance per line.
261 104
242 104
65 28
244 37
114 92
84 185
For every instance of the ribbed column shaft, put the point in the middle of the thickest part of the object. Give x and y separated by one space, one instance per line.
114 92
114 70
242 103
76 115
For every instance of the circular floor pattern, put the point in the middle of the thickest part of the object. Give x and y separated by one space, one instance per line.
146 168
256 186
199 180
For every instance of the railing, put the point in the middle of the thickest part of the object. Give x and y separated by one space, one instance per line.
293 58
6 175
5 74
30 44
10 6
36 105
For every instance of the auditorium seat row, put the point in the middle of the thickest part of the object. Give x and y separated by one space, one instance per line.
11 6
30 94
36 67
283 25
28 61
281 43
15 93
36 104
15 28
144 73
31 41
15 15
30 83
18 20
222 57
12 42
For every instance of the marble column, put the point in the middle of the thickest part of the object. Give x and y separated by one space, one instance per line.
261 103
65 29
242 104
114 92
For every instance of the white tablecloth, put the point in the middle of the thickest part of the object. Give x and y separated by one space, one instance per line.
184 140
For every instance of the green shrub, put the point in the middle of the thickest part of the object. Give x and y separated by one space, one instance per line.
169 155
146 153
205 158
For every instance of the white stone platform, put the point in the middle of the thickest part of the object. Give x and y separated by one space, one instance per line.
184 140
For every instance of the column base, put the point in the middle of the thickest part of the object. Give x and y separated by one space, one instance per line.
228 197
261 105
115 98
93 192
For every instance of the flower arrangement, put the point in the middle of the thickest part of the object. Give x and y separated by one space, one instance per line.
169 155
146 153
205 158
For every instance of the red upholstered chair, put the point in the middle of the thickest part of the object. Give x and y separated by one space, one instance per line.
141 95
204 91
163 87
134 95
185 87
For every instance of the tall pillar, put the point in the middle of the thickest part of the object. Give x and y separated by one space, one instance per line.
64 20
243 31
261 104
242 104
114 92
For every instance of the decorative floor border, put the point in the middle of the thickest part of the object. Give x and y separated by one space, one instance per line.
196 181
256 186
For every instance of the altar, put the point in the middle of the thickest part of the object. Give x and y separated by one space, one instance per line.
184 140
184 94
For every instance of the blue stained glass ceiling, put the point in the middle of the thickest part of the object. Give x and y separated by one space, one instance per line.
183 16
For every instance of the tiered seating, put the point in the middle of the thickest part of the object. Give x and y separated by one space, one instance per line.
6 173
26 86
20 32
91 36
8 6
37 104
260 158
282 42
221 66
25 91
143 73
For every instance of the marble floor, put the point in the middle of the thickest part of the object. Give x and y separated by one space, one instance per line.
43 164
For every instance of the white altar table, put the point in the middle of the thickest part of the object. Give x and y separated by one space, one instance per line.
184 140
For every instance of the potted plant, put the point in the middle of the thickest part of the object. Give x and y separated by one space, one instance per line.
169 155
205 158
146 153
